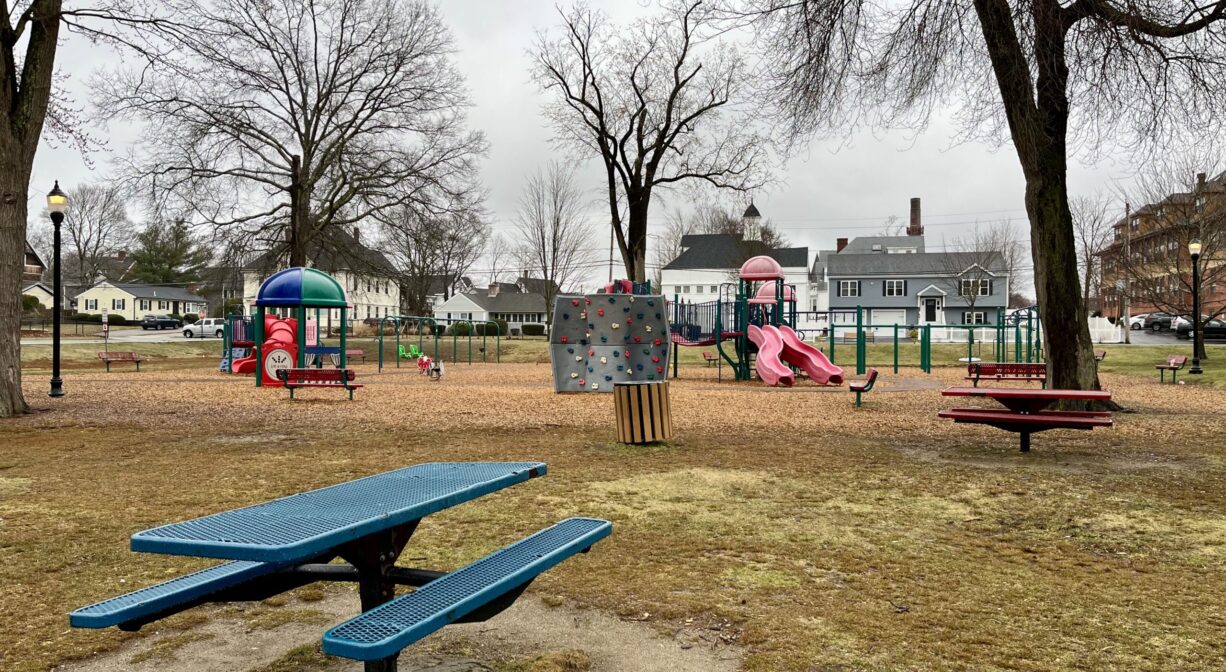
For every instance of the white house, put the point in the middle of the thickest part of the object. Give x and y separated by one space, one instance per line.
370 281
41 292
709 260
502 301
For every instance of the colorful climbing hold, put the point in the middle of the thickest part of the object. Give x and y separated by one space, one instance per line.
647 328
615 325
638 339
574 302
659 369
604 360
563 339
600 312
574 375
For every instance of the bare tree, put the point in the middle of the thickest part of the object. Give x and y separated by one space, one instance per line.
95 228
981 264
552 234
1092 226
29 104
656 104
288 119
432 252
498 252
1055 75
1182 206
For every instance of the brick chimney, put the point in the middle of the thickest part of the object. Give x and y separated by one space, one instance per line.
916 228
839 244
357 235
493 289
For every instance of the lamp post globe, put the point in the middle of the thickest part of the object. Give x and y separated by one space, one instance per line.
1194 248
57 204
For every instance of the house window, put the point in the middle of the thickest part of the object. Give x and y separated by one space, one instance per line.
162 305
714 289
849 288
91 304
973 317
894 288
698 289
145 304
685 289
118 304
976 287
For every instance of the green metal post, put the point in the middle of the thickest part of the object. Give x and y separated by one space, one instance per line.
861 350
344 358
895 347
830 321
259 346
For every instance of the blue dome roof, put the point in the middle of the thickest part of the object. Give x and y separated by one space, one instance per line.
301 287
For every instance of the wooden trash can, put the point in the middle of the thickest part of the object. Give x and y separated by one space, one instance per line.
643 412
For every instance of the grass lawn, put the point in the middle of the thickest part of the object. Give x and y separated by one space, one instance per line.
828 537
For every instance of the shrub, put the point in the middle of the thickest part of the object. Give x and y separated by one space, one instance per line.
191 318
460 329
534 330
116 320
86 317
30 304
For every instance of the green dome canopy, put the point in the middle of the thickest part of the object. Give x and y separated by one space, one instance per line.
301 286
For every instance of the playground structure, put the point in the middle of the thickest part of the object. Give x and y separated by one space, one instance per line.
1015 336
282 334
760 329
415 351
612 337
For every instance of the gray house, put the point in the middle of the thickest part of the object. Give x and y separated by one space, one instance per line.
899 283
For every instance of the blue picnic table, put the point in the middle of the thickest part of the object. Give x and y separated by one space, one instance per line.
291 542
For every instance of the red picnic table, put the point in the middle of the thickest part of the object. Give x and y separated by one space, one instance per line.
1026 411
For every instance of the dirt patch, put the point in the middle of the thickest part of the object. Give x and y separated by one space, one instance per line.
531 635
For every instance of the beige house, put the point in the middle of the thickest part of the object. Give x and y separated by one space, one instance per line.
135 300
41 292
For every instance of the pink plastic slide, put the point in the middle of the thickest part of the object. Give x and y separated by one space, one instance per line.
771 370
809 359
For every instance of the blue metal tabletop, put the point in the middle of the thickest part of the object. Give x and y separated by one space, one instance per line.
302 526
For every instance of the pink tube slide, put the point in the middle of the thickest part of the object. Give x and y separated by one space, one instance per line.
771 370
808 359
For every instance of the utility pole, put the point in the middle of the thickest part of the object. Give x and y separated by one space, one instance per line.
1126 265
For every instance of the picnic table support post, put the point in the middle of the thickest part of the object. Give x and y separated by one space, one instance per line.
1025 441
861 348
374 557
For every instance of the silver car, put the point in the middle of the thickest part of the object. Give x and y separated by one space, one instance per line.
209 326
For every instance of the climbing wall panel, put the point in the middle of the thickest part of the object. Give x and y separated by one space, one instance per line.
601 339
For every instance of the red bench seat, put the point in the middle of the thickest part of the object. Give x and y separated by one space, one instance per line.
295 378
1023 371
1026 424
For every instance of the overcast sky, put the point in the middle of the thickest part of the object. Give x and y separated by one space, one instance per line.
821 195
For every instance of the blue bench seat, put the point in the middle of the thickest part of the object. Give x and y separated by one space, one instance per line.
134 608
385 630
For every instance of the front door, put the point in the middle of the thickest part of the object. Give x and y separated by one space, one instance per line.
931 308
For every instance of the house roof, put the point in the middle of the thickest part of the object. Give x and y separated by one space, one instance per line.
330 252
162 292
514 302
864 244
536 285
920 263
30 252
39 285
727 250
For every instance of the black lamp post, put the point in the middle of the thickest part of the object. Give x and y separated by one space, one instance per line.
57 203
1194 251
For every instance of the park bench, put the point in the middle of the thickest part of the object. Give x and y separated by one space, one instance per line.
1173 364
865 386
108 357
710 358
1002 371
296 378
288 543
350 355
869 337
1100 355
1025 411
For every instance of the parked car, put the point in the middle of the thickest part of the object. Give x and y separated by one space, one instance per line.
1213 330
1157 321
1137 322
160 322
211 326
1184 321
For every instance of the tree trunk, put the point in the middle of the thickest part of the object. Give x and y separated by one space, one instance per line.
14 181
1066 331
636 259
300 213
